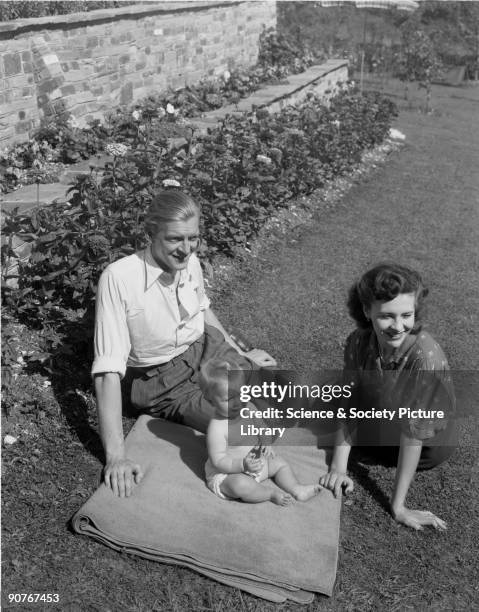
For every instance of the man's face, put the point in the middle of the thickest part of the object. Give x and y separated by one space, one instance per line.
174 242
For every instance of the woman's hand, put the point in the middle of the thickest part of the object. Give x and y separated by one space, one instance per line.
335 481
121 474
417 519
261 358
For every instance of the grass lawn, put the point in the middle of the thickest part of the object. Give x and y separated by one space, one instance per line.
420 208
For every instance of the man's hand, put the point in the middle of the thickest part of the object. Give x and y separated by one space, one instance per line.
252 464
261 358
417 519
335 481
120 475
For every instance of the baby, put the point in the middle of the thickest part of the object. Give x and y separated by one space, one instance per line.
236 472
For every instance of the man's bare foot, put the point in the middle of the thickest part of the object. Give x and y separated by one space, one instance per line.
305 492
281 499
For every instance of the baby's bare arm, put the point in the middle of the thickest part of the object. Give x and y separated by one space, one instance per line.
217 445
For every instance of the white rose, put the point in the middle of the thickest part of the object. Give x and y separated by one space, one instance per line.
170 183
396 134
72 122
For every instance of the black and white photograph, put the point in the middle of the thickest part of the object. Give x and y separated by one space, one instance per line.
240 288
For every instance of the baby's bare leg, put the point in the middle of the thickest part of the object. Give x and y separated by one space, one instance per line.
240 486
284 477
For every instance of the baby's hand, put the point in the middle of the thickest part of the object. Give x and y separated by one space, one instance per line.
268 452
263 451
251 463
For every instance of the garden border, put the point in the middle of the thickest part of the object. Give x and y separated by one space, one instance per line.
86 62
273 97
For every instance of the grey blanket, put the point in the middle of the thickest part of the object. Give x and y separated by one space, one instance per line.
274 552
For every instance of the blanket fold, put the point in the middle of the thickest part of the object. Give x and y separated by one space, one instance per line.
273 552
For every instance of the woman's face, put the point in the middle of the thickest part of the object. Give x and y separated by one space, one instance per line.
393 321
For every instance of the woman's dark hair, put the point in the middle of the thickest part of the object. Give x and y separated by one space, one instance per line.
166 206
384 282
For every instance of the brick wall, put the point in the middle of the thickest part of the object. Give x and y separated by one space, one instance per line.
93 62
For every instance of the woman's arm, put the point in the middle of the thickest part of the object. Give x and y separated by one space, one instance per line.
337 478
409 454
120 473
260 357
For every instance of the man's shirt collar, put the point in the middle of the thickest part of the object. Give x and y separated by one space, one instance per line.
154 272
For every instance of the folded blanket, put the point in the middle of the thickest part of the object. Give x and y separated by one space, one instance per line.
274 552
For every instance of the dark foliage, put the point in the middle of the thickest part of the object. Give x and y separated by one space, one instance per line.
21 9
452 29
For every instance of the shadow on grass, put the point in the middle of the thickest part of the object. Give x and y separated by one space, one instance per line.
73 388
361 475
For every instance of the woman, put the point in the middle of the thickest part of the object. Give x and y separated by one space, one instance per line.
401 382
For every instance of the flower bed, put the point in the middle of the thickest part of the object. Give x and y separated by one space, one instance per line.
242 171
60 140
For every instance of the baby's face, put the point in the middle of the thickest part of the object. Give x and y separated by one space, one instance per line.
226 406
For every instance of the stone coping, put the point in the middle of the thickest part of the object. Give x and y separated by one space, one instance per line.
26 198
271 94
30 197
10 29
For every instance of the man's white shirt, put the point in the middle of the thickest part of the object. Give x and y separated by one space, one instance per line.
142 321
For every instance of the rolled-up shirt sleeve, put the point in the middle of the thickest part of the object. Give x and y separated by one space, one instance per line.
111 340
431 391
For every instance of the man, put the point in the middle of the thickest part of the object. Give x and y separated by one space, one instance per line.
154 327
